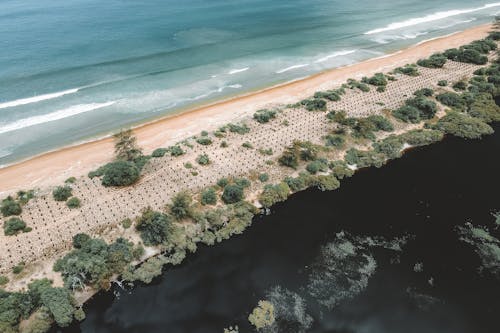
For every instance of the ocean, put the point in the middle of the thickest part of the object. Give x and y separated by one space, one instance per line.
74 70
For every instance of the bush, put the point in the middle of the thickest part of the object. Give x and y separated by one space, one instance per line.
451 99
203 159
70 180
325 182
267 152
390 146
331 95
363 159
264 116
460 85
247 145
421 137
73 202
3 280
208 197
314 104
442 83
18 268
381 123
484 108
263 177
240 129
340 169
273 194
410 70
378 79
424 92
13 226
289 158
176 151
160 152
242 182
10 207
222 182
126 223
408 114
80 240
359 85
434 61
181 206
320 165
155 227
232 193
427 108
462 125
120 173
62 193
334 140
205 141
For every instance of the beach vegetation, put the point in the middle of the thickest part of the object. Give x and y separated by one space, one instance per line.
208 197
154 227
264 116
126 223
263 177
204 141
460 85
18 268
319 165
224 144
364 159
247 145
239 128
120 173
73 202
181 206
421 137
410 70
442 83
13 226
415 110
434 61
176 150
203 159
25 196
232 193
381 88
483 106
242 182
325 182
462 125
62 193
314 104
451 99
159 152
390 146
334 140
126 148
378 79
266 152
340 169
188 165
424 92
331 95
222 182
10 207
70 180
273 194
354 84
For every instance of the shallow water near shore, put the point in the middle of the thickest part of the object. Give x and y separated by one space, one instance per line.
80 69
434 284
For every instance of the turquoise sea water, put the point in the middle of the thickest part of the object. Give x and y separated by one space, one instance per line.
77 69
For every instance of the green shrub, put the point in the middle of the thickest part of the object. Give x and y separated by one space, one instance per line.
334 140
208 197
13 226
410 70
331 95
188 165
381 123
434 61
224 144
232 193
18 268
73 202
176 151
390 146
442 83
160 152
352 84
363 159
319 165
378 79
315 104
154 227
484 108
70 180
181 206
222 182
462 125
420 137
120 173
451 99
10 207
242 182
126 148
267 152
204 141
408 114
460 85
126 223
424 92
240 129
247 145
263 177
3 280
495 35
381 89
289 158
203 159
426 107
264 116
325 182
204 133
273 194
340 169
62 193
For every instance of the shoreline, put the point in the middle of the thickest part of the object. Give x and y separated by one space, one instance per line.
75 160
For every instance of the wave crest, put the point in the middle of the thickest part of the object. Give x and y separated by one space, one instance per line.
39 98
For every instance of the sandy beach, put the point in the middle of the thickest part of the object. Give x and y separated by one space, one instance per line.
53 167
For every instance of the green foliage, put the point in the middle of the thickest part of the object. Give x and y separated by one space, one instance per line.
363 159
155 227
378 79
240 129
247 145
80 240
408 114
126 148
58 301
484 107
73 202
273 194
10 207
334 140
352 84
224 144
420 137
451 99
424 92
495 35
232 193
208 196
381 123
416 109
462 125
331 95
120 173
340 170
314 104
222 182
319 165
126 223
460 85
18 268
203 159
62 193
3 280
205 141
242 182
263 177
325 182
289 158
70 180
13 226
303 150
176 150
434 61
267 152
442 83
473 53
160 152
264 116
410 70
390 146
181 206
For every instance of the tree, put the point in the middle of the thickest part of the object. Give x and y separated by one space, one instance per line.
13 226
62 193
232 193
79 240
126 148
120 173
154 227
273 194
181 206
58 301
10 207
462 125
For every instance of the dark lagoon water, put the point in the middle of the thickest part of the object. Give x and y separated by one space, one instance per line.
424 196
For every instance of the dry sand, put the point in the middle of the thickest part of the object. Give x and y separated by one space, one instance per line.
52 168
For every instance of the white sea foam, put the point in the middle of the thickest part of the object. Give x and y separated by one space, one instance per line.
238 70
57 115
35 99
334 55
291 68
456 23
430 18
